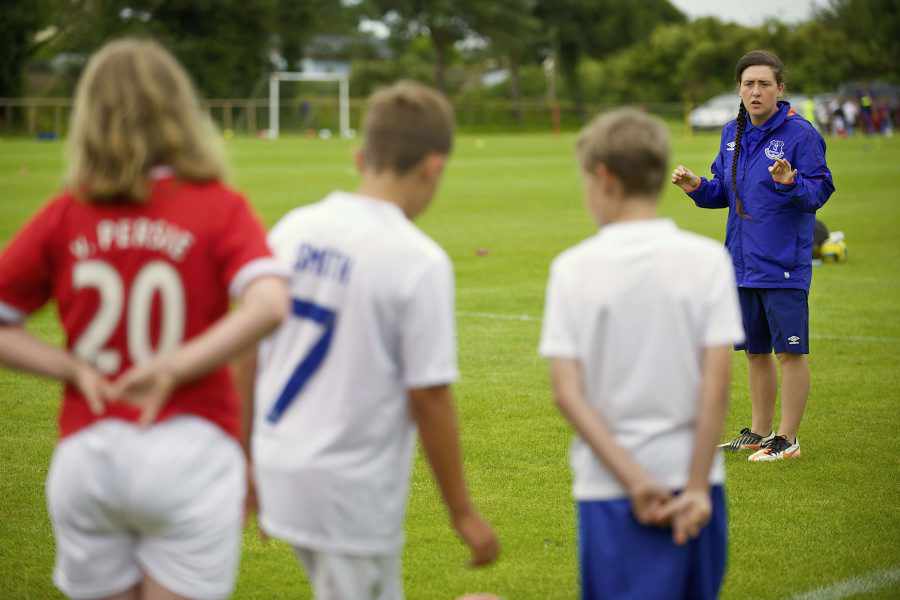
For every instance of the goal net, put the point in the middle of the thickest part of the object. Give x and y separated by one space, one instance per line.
343 98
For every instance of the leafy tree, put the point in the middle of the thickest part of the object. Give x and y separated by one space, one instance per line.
20 23
440 20
224 44
599 28
873 28
821 58
513 33
297 22
707 67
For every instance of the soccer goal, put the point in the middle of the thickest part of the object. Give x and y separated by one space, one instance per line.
343 97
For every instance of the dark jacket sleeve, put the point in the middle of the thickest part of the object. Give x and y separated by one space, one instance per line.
813 184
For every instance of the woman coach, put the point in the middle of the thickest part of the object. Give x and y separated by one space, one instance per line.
771 175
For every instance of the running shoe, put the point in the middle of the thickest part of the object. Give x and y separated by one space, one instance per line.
778 448
746 440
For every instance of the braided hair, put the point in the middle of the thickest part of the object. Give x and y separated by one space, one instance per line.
738 134
751 59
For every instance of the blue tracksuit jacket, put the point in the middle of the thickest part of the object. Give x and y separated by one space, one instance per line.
772 247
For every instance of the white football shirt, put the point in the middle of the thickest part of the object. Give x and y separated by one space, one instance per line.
373 317
637 304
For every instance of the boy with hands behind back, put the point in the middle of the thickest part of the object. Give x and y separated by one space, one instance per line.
640 366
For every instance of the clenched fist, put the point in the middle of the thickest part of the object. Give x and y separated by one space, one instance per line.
685 179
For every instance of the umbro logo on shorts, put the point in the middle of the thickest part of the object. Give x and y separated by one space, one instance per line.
793 340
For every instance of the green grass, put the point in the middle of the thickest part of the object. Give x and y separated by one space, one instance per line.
830 516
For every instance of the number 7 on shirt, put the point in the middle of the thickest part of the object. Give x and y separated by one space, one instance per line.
325 317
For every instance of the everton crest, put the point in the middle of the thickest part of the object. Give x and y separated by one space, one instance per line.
775 150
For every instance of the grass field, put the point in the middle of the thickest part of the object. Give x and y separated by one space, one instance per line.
794 527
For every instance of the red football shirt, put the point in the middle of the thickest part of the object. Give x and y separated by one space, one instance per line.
132 280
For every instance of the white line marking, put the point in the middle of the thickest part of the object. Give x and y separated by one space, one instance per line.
863 584
496 316
825 336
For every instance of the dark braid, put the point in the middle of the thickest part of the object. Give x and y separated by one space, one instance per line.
738 134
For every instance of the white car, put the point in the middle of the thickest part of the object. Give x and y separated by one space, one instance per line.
715 112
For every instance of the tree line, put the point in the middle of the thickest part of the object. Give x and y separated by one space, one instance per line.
611 51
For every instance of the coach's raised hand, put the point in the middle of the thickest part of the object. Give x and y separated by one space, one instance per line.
685 179
782 172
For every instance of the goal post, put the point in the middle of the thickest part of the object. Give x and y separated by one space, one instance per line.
343 97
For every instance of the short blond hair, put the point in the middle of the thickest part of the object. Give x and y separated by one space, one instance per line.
136 108
633 145
404 123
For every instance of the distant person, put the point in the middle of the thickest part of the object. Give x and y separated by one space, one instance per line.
809 111
823 117
367 359
865 112
648 478
883 123
307 116
771 175
142 253
850 111
838 122
891 115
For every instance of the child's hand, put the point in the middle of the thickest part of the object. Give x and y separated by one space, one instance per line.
479 537
689 512
685 179
92 385
147 387
781 172
647 501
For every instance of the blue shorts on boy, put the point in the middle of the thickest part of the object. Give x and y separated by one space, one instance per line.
774 318
622 559
623 305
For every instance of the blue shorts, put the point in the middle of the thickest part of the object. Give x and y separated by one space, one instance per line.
774 318
622 559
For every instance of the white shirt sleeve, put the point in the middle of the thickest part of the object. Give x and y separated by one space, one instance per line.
10 315
255 269
558 336
429 329
723 323
271 265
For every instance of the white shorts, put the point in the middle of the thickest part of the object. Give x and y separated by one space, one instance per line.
166 501
336 576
